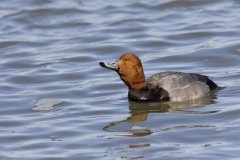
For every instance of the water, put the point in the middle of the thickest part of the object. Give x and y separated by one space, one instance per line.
51 49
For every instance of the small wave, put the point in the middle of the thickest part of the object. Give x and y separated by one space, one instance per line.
46 104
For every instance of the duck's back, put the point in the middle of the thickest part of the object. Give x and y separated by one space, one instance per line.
182 86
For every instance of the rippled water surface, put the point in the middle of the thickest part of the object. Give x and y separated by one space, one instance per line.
49 54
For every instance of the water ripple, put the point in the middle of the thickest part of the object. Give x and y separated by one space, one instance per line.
51 49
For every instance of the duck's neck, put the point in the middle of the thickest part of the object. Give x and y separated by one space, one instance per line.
140 84
136 84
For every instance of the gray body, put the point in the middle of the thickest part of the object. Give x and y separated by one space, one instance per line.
182 86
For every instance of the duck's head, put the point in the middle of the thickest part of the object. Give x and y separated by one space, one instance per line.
130 70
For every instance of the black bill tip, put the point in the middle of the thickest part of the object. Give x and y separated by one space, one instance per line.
102 64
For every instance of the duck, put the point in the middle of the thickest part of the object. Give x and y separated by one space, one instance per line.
163 86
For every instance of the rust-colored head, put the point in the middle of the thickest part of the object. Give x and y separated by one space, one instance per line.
130 70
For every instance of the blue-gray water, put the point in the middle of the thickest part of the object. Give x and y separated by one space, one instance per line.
51 49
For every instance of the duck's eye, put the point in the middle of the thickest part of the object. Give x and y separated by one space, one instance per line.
113 63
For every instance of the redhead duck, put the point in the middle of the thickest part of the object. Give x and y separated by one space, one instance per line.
165 86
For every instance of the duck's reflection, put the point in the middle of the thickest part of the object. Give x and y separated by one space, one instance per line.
140 112
173 107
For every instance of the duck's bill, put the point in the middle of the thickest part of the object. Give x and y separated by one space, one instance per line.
112 66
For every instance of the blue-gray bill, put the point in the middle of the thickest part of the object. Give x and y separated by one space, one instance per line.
113 66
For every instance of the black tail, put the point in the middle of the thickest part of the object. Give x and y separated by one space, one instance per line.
211 84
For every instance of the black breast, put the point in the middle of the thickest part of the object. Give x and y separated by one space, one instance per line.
148 94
